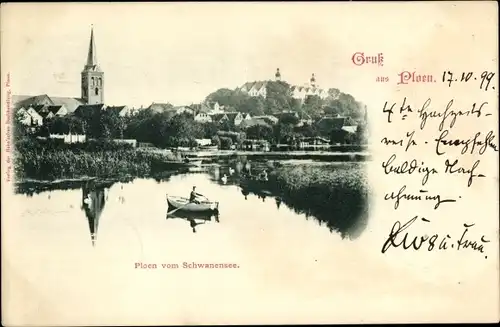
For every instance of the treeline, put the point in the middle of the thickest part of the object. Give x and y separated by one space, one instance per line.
279 98
167 129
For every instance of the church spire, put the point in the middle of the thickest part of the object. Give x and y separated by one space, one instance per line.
277 75
91 56
92 76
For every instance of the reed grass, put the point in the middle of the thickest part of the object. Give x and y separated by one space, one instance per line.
337 196
55 163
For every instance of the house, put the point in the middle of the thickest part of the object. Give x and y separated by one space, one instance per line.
183 110
350 129
29 116
203 142
58 110
254 121
255 145
313 143
258 88
219 118
336 123
69 105
217 108
236 118
271 120
87 110
168 108
160 107
301 92
202 117
122 111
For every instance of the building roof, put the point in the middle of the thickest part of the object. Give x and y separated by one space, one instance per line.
218 117
305 139
267 118
89 109
286 114
54 109
160 107
232 116
181 107
257 85
252 122
350 129
201 108
117 109
32 100
327 124
70 103
91 64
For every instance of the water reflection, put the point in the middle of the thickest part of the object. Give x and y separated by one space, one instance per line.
93 202
195 218
340 208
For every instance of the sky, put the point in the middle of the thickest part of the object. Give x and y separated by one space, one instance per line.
181 52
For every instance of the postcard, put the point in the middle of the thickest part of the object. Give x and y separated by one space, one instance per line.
249 163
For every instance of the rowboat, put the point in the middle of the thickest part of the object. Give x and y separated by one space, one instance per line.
181 203
193 162
190 215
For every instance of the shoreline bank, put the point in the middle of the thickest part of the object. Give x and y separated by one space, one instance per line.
276 155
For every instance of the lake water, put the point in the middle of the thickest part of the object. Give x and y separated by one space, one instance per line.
65 243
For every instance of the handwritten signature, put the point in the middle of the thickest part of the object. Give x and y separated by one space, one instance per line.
436 241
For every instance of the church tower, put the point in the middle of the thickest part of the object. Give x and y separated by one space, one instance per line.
92 76
313 80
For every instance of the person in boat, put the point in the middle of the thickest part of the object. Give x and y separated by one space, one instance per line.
193 197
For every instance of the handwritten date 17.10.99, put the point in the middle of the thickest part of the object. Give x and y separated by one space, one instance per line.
484 78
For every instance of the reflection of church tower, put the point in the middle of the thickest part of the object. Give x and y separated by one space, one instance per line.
93 204
92 76
277 75
313 80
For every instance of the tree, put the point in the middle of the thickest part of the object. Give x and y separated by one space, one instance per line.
255 106
307 130
226 143
210 130
216 141
360 136
283 133
225 125
181 130
288 119
341 136
111 124
333 93
313 105
259 131
331 110
228 98
278 97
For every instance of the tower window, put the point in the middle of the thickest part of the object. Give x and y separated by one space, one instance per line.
96 91
93 81
100 81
